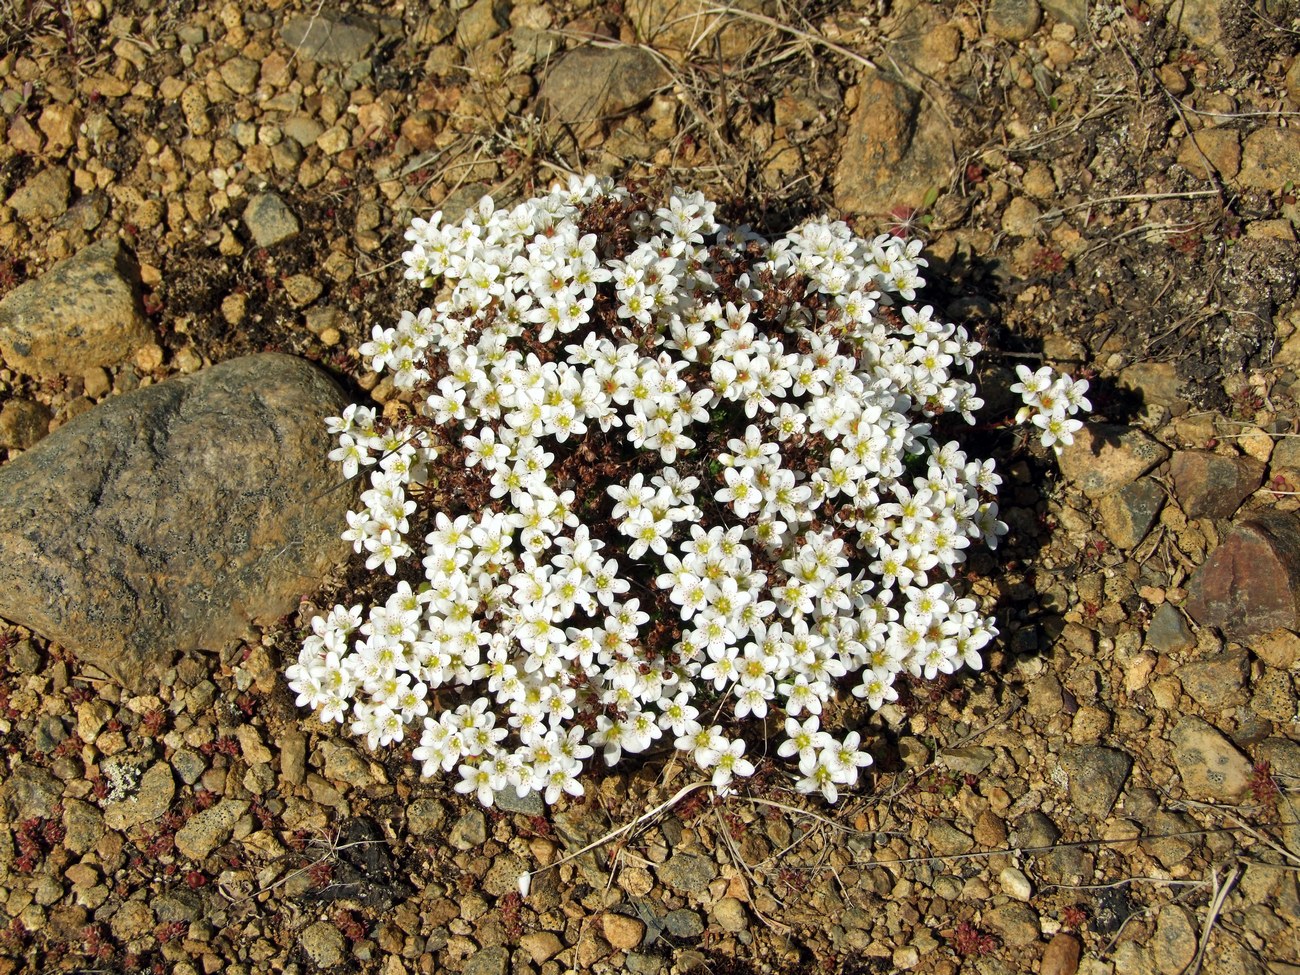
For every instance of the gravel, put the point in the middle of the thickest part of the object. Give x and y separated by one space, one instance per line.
181 188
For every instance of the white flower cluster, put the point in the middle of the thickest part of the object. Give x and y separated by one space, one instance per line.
1051 400
696 479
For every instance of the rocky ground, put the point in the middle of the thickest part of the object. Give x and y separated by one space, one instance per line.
1110 186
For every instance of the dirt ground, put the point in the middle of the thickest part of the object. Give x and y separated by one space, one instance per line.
1110 187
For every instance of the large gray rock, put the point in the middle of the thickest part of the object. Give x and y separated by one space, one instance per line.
171 517
592 83
82 313
330 37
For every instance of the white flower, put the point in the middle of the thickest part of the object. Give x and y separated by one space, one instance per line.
835 494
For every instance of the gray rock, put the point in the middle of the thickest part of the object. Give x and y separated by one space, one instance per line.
151 799
1249 584
189 765
26 658
1174 945
50 733
1073 12
530 805
1168 632
1283 757
968 759
1218 681
269 220
1211 485
644 963
44 196
1097 775
23 423
683 923
1128 514
947 840
178 906
30 792
329 37
425 816
1014 20
1171 837
470 831
1105 457
83 312
168 518
592 83
688 872
892 152
494 960
303 129
208 829
324 944
1035 831
1211 767
83 825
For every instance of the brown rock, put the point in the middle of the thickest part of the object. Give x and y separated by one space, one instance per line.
1062 955
150 801
591 949
623 932
1218 681
59 123
1248 585
1279 648
1221 147
1016 923
23 423
83 312
678 28
1104 457
1270 157
44 196
892 152
420 129
541 946
1211 485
